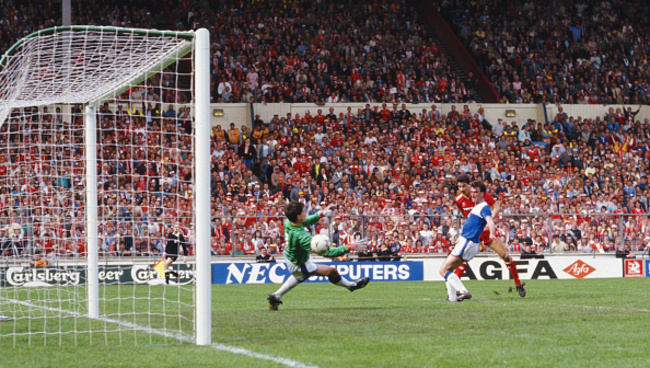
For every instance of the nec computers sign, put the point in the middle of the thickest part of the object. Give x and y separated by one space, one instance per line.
264 273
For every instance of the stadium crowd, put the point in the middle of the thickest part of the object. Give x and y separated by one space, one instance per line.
306 51
570 51
391 171
373 51
301 51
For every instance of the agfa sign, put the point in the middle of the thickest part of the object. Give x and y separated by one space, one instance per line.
579 269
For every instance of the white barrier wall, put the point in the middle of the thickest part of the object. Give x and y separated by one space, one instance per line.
561 267
242 114
427 269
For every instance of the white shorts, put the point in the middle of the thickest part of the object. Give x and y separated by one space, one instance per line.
465 249
304 271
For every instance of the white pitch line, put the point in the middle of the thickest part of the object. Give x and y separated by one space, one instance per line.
174 335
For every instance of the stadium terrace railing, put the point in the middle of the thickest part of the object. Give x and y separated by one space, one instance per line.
598 233
240 235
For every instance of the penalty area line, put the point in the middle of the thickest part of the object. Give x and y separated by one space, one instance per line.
174 335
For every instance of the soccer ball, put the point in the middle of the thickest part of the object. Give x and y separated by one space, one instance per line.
320 244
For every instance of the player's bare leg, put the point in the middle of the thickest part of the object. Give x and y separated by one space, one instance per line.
167 263
500 249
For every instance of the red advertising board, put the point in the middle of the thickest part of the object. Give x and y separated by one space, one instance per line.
633 268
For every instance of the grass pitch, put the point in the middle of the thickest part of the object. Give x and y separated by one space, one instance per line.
560 323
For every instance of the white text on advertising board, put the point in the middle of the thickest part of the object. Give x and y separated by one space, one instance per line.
18 276
259 273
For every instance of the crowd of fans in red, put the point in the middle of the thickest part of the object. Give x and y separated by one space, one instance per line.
389 170
391 173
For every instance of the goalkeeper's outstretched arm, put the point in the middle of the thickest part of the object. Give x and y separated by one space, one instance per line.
342 249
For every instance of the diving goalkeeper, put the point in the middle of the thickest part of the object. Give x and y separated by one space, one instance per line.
298 254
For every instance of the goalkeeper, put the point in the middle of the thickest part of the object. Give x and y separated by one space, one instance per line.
298 254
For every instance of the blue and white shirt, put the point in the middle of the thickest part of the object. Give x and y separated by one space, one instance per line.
475 222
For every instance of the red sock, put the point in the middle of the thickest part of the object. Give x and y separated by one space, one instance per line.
460 270
513 271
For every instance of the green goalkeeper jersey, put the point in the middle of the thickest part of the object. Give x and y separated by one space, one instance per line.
298 242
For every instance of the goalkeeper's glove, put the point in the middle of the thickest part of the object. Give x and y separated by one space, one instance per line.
358 243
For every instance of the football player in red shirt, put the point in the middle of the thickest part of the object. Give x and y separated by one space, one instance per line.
465 204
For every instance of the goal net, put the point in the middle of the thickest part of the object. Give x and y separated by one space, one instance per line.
103 140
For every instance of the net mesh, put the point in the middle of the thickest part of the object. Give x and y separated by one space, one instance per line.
80 65
143 86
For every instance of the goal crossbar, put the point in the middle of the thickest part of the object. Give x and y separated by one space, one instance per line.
74 67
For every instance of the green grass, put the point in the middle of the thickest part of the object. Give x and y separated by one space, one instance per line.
560 323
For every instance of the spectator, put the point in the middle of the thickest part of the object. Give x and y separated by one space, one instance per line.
386 253
38 260
234 137
624 252
558 245
264 257
248 153
365 254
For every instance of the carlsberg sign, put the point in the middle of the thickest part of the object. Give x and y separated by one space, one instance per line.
30 276
76 275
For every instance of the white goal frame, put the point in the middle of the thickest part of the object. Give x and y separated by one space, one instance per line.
97 92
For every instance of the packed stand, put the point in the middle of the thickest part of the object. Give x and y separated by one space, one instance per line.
42 189
575 51
19 19
144 177
391 173
306 51
390 170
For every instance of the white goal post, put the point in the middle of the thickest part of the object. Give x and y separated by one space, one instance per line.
80 106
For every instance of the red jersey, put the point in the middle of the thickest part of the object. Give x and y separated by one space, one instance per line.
385 114
465 204
515 247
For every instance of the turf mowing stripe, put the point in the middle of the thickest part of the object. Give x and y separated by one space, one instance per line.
609 308
173 335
